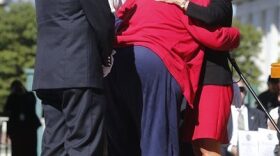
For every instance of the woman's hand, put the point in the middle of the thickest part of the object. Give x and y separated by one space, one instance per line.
181 3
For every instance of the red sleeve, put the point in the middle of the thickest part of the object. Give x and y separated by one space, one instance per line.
127 9
221 38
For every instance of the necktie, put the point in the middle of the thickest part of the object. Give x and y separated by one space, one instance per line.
240 121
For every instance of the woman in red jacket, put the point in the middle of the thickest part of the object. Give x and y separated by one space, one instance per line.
212 108
158 59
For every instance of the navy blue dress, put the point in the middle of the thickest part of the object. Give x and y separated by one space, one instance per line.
144 100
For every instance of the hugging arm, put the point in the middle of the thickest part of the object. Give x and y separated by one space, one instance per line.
221 38
217 13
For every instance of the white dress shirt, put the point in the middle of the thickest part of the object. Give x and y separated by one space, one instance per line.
274 113
115 4
234 113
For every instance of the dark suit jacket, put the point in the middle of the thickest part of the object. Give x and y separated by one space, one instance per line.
269 100
215 14
74 37
256 119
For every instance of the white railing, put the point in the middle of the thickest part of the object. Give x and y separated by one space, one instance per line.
5 143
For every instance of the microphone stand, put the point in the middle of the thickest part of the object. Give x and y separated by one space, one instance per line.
234 64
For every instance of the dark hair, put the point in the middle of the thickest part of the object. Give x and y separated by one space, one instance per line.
272 80
17 87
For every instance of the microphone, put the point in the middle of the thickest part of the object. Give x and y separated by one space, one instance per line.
275 70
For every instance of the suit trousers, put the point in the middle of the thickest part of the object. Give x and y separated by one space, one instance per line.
74 122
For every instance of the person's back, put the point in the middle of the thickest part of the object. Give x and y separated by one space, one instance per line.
167 31
75 38
160 22
21 108
23 121
68 53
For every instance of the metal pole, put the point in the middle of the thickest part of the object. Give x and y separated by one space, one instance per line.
234 64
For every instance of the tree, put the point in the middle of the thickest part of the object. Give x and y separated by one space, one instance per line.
17 44
248 51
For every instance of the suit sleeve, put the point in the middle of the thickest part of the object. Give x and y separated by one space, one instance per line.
101 19
262 119
215 13
218 38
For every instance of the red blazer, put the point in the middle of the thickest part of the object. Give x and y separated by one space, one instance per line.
175 38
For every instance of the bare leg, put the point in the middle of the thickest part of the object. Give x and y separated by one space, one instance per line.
206 147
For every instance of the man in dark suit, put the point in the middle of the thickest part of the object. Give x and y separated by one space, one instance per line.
252 120
74 41
269 98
